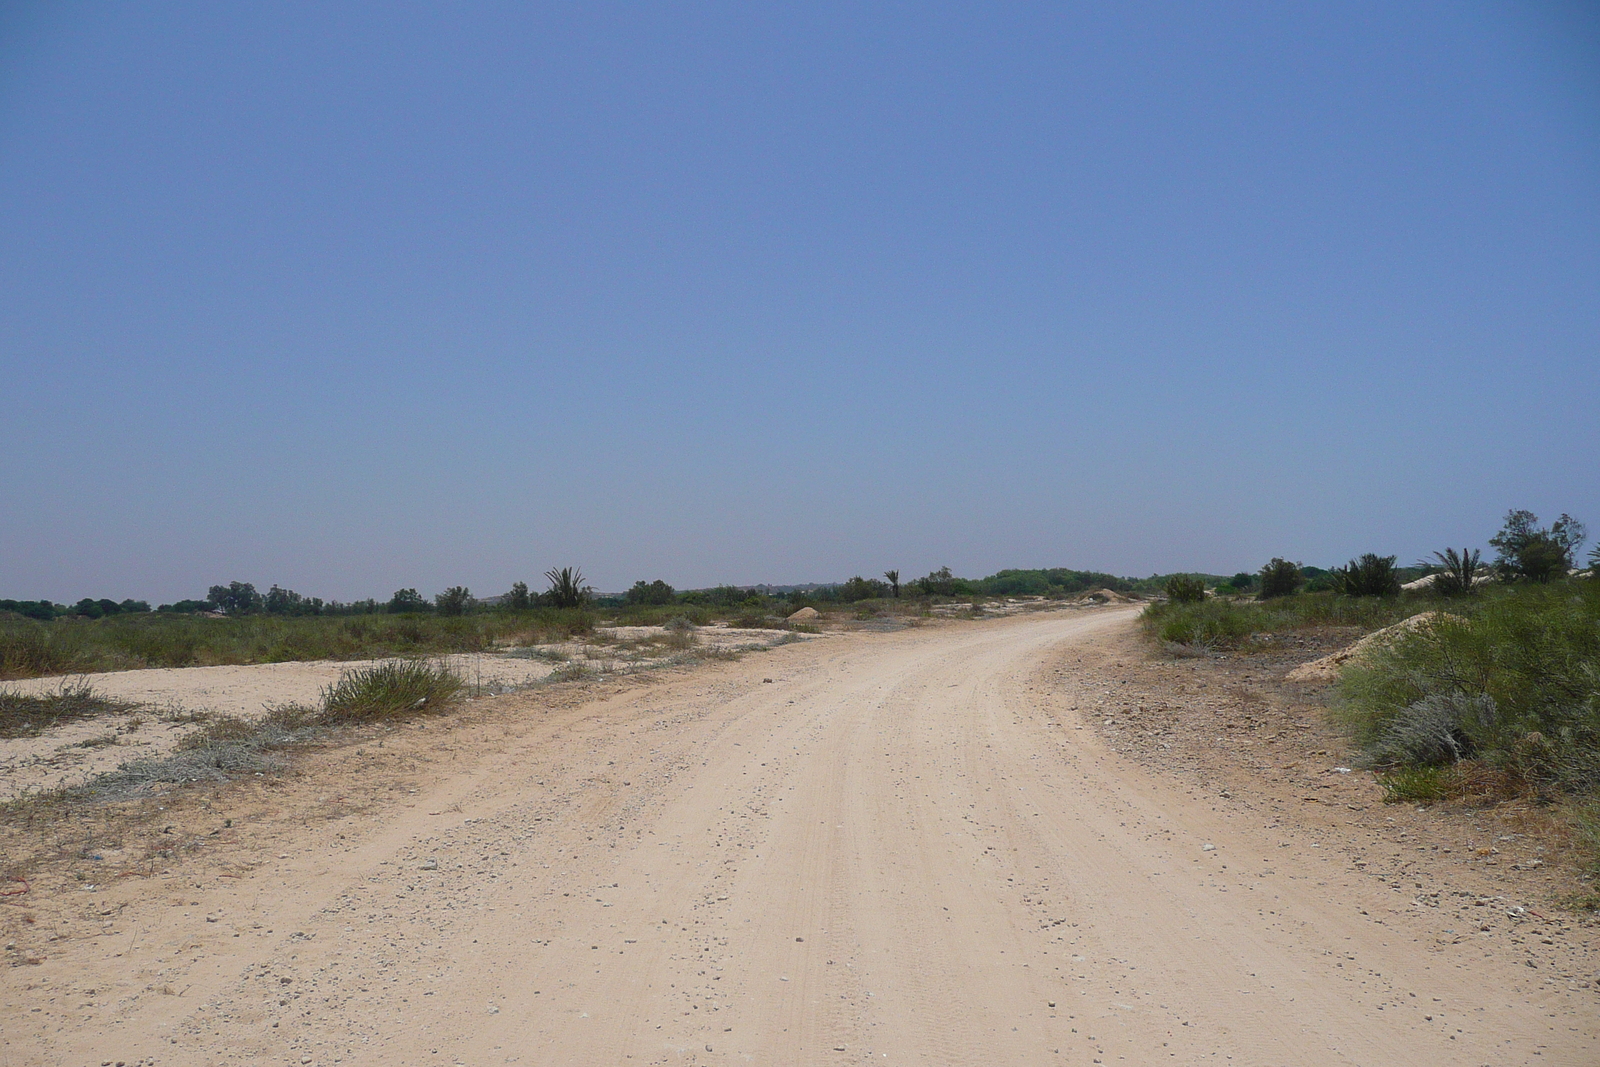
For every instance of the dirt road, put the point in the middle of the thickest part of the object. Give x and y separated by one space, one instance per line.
906 848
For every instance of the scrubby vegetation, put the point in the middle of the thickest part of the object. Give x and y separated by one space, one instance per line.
1182 589
1224 623
30 648
1497 696
1371 575
1513 686
389 689
28 715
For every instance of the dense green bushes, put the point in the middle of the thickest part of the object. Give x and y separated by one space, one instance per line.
1224 623
1371 575
1513 685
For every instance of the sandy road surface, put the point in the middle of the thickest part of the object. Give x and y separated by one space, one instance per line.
905 849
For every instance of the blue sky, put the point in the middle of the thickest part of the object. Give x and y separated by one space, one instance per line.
350 297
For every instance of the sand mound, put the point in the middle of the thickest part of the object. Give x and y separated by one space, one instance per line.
1327 668
1104 596
803 614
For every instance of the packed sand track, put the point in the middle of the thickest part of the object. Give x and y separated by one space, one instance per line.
888 848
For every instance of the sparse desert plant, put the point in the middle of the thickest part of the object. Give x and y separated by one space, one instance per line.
1280 578
1182 589
1371 575
28 715
389 689
1457 572
566 587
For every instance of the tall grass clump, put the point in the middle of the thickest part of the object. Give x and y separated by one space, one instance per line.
1514 687
388 690
29 649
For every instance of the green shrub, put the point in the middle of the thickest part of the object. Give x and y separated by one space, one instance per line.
656 593
1371 575
1280 578
389 689
1226 623
859 588
456 600
1182 589
1514 685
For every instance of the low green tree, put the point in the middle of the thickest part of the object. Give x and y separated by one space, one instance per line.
1530 552
406 600
236 598
1280 578
518 599
657 592
456 600
859 588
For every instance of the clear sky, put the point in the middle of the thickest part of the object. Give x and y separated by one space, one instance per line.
350 296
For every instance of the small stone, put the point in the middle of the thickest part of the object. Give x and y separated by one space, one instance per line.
1208 847
430 865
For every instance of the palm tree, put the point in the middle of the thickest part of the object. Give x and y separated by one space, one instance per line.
566 587
894 581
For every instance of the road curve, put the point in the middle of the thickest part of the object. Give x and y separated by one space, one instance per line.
902 849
